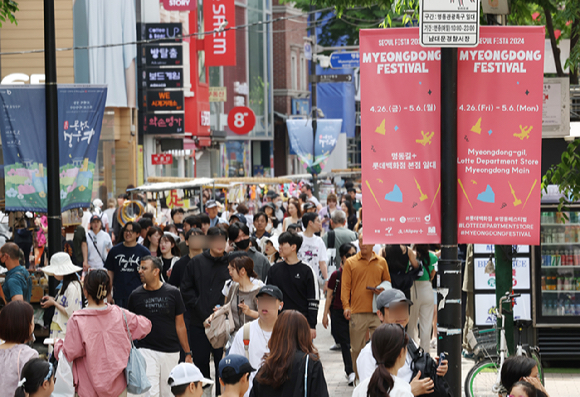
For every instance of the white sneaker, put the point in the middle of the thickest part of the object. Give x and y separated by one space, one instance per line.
351 379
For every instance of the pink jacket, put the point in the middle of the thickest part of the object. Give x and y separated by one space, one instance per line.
98 346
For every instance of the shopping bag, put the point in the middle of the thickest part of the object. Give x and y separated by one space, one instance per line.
64 384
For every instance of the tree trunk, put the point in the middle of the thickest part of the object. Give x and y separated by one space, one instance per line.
555 49
573 43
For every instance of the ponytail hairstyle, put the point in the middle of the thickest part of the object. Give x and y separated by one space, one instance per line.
387 342
34 373
246 263
97 284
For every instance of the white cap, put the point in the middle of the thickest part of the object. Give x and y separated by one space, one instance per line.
97 202
185 373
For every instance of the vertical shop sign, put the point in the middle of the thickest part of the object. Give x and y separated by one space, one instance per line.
220 46
499 127
400 97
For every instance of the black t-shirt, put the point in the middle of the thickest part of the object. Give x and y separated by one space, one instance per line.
298 286
161 307
124 262
178 270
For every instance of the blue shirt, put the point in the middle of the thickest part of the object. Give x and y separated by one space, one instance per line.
18 282
124 262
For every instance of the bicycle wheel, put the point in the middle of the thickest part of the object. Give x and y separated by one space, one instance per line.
481 379
534 354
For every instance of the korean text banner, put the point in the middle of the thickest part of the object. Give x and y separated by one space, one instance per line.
220 46
499 128
400 113
23 130
300 135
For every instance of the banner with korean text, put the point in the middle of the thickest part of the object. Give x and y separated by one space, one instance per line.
499 127
23 130
220 46
400 114
300 137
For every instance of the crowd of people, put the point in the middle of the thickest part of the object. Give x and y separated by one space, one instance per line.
237 288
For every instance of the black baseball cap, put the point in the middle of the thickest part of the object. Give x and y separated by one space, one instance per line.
96 218
234 364
273 291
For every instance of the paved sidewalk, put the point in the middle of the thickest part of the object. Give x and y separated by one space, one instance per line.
558 385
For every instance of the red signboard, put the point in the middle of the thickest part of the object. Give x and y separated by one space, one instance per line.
220 46
179 5
161 159
241 120
499 127
400 97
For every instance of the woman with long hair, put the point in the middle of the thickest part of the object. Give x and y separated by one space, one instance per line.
292 359
169 254
151 241
294 214
97 341
389 346
37 379
422 297
348 209
16 330
69 297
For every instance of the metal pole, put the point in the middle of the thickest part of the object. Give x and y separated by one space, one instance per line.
314 96
449 317
52 153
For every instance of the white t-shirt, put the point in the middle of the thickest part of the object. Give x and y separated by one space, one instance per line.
258 347
400 388
312 252
314 200
366 365
104 244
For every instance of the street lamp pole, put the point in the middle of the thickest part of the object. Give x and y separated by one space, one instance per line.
314 97
52 153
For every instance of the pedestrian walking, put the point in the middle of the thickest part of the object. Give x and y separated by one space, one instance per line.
201 289
338 235
339 324
234 373
307 189
162 304
260 226
97 343
16 330
326 212
398 258
169 254
195 243
123 263
239 240
292 367
186 380
211 207
253 339
36 379
69 297
98 244
17 284
151 241
521 368
313 250
270 248
389 345
296 280
422 297
294 214
350 212
363 278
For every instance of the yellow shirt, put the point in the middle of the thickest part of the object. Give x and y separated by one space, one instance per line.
357 275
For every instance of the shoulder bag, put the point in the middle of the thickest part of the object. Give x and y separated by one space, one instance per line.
221 322
136 371
421 361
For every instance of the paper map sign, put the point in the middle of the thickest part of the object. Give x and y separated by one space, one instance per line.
400 97
23 129
499 127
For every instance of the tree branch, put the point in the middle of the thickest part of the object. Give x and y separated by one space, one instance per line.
555 49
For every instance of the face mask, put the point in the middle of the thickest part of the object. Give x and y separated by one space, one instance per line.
243 245
278 204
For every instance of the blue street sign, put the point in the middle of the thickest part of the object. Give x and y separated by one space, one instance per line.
339 60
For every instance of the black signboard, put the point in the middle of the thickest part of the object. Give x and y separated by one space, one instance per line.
161 32
163 123
163 100
332 78
163 78
163 55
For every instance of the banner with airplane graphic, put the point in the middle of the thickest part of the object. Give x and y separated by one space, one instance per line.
499 128
23 130
401 137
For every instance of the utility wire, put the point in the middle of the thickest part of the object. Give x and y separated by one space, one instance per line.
165 40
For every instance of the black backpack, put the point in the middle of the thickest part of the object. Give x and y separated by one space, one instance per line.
421 361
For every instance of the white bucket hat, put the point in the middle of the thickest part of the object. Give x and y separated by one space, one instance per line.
61 265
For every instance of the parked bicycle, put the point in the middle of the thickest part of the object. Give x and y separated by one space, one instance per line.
484 379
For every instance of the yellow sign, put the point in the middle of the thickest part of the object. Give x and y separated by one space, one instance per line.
218 94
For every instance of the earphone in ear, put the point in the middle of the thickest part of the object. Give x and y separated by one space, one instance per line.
279 307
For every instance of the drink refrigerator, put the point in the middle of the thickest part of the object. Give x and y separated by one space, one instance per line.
557 281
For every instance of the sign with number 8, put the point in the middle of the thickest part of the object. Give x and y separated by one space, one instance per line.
241 120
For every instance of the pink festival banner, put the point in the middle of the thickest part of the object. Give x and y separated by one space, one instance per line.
499 127
400 114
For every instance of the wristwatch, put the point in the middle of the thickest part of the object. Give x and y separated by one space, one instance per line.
189 353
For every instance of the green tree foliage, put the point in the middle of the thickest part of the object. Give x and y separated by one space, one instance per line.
7 10
566 175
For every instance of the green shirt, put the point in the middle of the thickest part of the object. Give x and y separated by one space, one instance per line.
433 258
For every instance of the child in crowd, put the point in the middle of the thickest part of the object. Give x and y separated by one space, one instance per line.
234 373
187 380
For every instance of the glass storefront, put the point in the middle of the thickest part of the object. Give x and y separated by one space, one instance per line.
235 159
